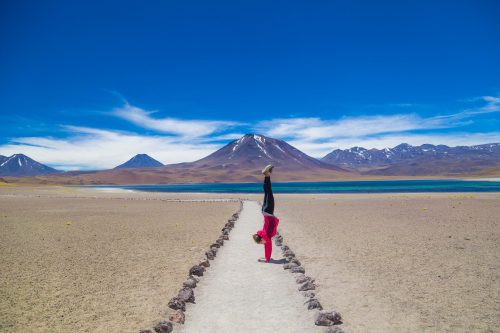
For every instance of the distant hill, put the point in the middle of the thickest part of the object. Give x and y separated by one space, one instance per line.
242 160
140 161
252 151
239 161
19 165
424 160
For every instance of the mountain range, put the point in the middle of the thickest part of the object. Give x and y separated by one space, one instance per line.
424 160
241 161
21 165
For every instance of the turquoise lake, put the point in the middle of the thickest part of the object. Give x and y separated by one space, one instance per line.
367 186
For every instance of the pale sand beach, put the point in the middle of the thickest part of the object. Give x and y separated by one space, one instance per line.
113 269
400 263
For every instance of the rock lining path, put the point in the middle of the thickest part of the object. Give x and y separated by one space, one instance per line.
240 294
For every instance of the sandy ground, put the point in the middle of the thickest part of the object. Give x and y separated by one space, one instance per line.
387 262
113 269
401 263
240 294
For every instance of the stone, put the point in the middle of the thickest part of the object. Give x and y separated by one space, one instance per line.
210 255
285 248
301 278
194 278
215 245
308 294
236 215
220 241
225 231
163 327
190 283
307 286
327 318
214 249
225 237
335 329
145 331
278 242
177 304
177 317
288 253
186 294
295 261
289 266
197 270
313 303
297 269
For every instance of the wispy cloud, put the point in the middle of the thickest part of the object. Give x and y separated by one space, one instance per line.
317 136
174 126
484 104
90 148
183 140
312 129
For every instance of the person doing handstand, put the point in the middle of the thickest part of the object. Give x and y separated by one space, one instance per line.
271 222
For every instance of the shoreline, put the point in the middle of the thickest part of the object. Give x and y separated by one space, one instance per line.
485 185
42 181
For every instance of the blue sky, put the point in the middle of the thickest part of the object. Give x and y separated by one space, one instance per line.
88 84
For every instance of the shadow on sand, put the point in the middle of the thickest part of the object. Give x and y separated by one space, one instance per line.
274 261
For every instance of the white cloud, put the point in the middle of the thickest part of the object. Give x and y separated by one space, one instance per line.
186 128
311 129
317 137
90 148
489 104
227 137
189 140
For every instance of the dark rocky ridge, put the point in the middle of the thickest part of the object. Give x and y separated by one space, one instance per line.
426 159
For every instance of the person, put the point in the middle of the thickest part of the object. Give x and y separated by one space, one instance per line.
271 222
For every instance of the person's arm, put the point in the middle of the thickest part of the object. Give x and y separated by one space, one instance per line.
263 235
275 227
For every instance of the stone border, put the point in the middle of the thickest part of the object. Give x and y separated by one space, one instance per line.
331 319
186 293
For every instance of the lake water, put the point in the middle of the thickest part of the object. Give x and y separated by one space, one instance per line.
365 186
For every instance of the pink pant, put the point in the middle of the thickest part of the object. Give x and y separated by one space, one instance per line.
268 249
268 246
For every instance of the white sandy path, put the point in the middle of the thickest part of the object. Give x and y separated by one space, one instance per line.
239 294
